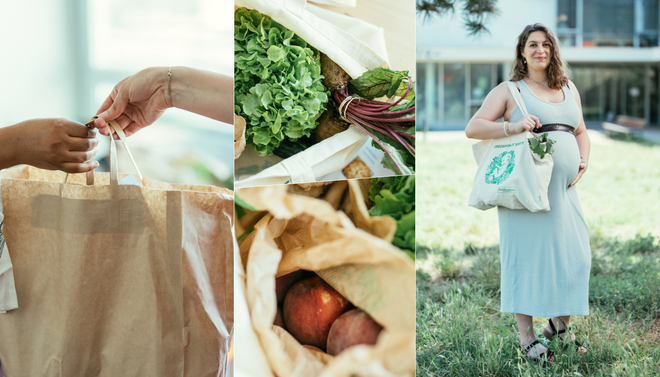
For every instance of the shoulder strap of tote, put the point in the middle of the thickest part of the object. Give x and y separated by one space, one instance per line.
517 97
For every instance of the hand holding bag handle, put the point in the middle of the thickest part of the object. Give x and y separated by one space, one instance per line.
479 149
114 169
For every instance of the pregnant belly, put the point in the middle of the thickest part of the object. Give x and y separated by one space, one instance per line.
566 157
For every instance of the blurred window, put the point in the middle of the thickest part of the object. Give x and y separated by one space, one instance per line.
454 93
608 23
566 11
567 26
481 77
420 95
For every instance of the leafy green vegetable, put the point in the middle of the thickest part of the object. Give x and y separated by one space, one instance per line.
381 82
395 197
541 145
398 153
278 87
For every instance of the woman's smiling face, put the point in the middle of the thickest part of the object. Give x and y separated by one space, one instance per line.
537 51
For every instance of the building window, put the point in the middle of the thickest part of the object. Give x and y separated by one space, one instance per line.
608 23
420 96
454 93
567 27
607 91
481 77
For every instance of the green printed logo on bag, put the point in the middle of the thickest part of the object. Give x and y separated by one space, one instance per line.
500 168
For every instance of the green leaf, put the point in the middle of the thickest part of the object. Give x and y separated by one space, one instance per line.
275 53
401 155
534 143
266 99
275 128
541 145
380 82
395 197
243 203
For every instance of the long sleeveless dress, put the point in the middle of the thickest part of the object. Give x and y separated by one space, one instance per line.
545 256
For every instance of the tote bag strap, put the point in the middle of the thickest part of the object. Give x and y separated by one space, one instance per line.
517 97
114 169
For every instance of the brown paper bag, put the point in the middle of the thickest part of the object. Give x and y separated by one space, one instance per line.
308 233
116 280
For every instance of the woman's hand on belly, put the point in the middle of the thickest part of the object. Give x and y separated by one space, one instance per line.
583 168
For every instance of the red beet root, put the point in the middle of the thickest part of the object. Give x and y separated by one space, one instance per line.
352 328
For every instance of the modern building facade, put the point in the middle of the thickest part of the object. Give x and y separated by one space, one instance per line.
611 47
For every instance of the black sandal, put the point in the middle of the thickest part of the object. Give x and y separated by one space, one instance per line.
562 331
545 358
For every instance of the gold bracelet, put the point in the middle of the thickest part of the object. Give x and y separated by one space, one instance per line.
504 127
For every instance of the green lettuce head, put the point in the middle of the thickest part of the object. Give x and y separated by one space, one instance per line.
278 87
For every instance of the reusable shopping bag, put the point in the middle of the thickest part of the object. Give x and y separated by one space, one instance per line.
115 279
354 45
304 233
509 173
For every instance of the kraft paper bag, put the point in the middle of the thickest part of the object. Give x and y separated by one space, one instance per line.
116 280
306 233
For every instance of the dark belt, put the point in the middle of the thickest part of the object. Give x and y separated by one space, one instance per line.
555 127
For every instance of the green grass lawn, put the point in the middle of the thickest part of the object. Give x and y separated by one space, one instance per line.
460 330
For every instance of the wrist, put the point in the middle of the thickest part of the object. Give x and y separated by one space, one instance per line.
159 77
9 153
177 91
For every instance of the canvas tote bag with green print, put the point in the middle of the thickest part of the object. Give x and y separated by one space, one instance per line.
509 174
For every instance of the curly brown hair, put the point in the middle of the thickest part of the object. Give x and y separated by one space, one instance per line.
556 74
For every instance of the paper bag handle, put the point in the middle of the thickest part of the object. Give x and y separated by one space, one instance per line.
114 168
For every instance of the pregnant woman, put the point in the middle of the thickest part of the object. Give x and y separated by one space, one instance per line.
545 256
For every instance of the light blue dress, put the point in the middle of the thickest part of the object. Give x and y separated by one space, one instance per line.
545 256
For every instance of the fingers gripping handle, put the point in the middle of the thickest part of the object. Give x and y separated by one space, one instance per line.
114 169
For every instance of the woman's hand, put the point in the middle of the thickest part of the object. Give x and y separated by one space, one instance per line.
526 123
583 168
53 144
136 101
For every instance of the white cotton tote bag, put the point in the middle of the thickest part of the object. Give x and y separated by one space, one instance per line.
356 46
509 173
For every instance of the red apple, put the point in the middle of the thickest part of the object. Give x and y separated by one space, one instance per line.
310 308
352 328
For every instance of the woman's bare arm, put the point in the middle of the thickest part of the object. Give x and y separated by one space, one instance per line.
498 103
582 138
